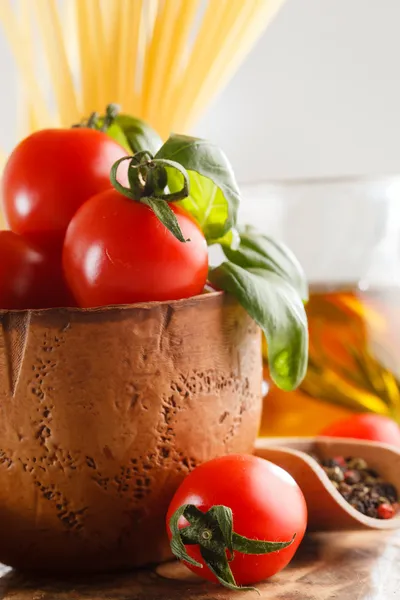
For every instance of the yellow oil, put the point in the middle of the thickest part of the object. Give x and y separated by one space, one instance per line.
354 362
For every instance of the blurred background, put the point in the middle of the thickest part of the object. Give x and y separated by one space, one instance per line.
319 95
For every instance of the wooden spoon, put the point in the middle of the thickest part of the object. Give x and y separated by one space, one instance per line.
327 509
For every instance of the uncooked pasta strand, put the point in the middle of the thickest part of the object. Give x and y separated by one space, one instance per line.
21 53
55 52
157 56
162 60
174 61
234 50
88 59
204 47
129 101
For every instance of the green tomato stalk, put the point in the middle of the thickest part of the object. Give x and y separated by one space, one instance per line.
148 178
213 532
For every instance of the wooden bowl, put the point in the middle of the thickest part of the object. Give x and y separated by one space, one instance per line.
327 509
102 414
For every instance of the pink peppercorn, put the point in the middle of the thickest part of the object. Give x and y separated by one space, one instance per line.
385 511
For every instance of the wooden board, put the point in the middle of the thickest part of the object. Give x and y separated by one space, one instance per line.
362 566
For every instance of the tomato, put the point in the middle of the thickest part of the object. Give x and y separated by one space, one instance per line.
366 426
266 502
116 251
30 276
51 173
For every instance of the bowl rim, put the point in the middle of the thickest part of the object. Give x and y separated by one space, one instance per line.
204 297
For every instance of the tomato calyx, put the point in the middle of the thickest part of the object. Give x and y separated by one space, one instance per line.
98 122
148 180
213 532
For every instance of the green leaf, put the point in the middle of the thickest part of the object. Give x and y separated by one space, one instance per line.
248 546
214 194
177 546
230 239
109 126
163 212
277 308
257 250
138 134
116 133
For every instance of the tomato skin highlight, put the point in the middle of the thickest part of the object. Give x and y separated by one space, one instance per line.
266 502
366 426
51 173
116 251
30 276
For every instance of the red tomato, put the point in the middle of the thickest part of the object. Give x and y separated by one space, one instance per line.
366 426
30 277
116 251
51 173
266 502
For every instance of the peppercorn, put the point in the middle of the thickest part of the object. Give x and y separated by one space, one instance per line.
357 463
361 486
344 488
340 461
335 474
358 487
330 463
371 473
352 477
355 503
369 480
389 491
385 511
372 512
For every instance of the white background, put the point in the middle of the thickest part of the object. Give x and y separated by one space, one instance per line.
319 95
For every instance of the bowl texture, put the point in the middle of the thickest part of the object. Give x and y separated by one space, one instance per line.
102 414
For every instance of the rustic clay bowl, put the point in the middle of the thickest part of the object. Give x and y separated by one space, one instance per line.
102 414
327 509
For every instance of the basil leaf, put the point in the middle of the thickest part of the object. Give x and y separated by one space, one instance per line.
214 194
115 132
277 308
257 250
139 135
230 240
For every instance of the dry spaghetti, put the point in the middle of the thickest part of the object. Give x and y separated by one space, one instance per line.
162 60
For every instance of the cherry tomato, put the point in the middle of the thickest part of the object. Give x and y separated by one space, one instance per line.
30 277
366 426
51 173
116 251
266 502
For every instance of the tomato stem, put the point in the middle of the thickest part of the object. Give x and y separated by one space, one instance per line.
213 532
112 111
148 180
100 123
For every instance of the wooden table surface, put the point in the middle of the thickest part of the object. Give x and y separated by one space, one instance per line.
362 566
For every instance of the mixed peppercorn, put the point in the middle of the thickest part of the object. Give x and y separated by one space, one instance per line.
362 486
